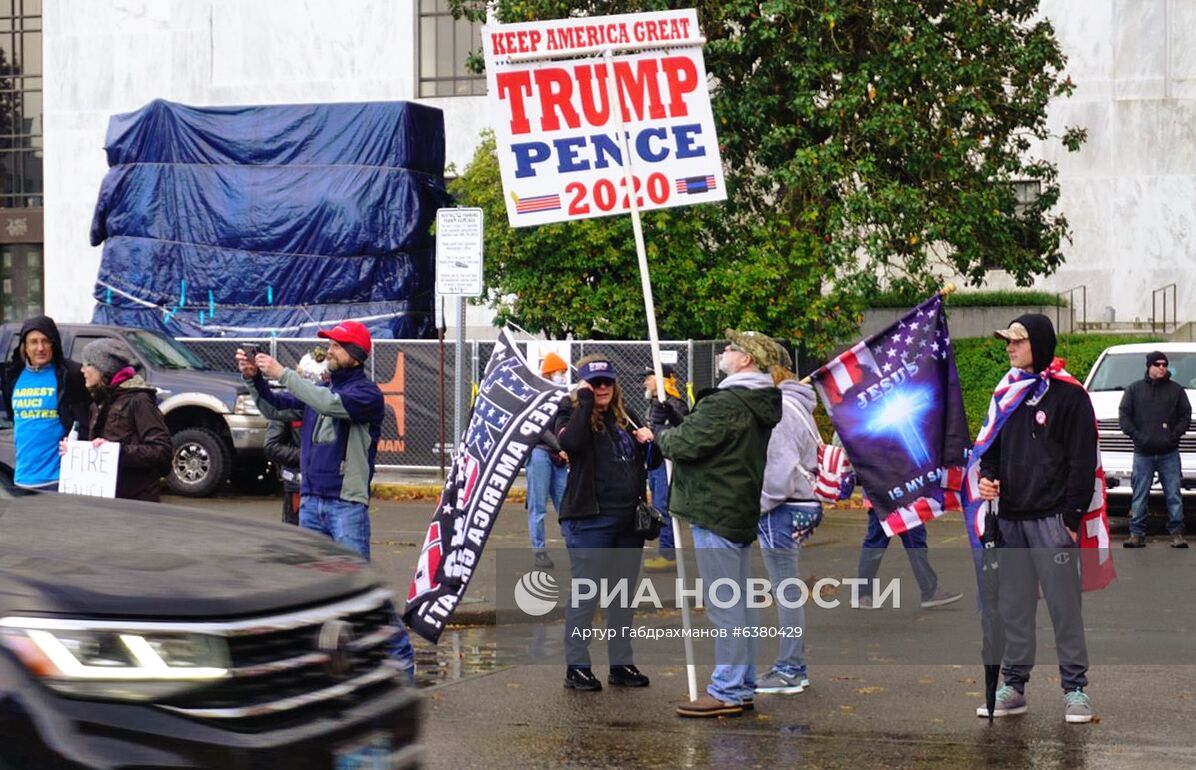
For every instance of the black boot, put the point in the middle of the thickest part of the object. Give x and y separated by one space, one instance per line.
581 679
627 676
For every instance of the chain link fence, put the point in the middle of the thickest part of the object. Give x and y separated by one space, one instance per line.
416 378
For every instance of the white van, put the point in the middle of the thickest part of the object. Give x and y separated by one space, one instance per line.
1117 367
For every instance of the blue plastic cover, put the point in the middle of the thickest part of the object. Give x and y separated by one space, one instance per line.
252 221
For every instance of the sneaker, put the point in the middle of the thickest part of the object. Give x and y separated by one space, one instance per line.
1177 541
627 676
940 599
749 704
707 706
776 683
1134 541
581 679
660 564
1009 703
542 560
866 603
1077 708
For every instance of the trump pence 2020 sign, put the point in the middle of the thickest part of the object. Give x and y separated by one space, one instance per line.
558 145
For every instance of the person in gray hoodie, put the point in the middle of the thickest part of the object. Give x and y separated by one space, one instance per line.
787 506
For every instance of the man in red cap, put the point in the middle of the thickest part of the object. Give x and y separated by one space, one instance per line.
338 443
339 440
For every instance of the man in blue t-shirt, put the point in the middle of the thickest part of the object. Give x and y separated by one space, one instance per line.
44 396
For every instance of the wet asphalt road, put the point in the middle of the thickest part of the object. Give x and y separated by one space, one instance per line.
480 714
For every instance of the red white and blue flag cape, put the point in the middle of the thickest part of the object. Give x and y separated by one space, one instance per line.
1096 559
895 402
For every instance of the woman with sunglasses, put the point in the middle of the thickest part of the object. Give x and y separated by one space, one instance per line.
609 453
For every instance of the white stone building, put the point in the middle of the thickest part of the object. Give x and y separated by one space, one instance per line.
1130 193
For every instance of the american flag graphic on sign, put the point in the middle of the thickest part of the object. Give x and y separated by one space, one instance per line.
536 203
696 184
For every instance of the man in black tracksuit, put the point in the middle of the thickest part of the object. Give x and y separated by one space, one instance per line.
1155 413
1042 468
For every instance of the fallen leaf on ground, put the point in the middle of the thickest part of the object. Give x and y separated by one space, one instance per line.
870 690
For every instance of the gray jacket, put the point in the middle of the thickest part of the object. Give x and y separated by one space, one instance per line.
792 449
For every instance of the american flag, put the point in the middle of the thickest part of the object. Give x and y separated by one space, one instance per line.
844 372
536 203
696 184
895 402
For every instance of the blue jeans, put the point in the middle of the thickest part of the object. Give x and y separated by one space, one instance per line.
734 676
658 485
602 546
1170 474
543 479
349 524
873 550
780 552
346 523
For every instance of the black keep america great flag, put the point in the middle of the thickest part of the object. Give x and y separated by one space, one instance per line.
513 406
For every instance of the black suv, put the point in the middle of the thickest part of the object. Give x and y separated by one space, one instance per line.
211 417
137 635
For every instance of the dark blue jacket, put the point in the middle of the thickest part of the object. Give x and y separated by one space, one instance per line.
341 425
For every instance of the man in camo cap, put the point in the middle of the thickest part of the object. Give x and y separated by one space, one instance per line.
718 455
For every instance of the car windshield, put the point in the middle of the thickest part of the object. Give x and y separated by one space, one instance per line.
162 352
1117 370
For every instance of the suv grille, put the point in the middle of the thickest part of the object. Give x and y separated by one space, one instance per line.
1113 440
298 666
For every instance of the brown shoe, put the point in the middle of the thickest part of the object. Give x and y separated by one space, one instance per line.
707 706
1134 541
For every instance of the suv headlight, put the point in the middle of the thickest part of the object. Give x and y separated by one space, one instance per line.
245 405
104 661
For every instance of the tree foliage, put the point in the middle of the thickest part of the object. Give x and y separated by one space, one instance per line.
867 144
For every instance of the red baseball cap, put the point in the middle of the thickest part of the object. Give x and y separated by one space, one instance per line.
349 333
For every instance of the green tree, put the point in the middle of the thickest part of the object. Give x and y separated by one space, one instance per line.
866 143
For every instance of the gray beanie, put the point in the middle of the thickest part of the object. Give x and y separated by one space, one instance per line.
108 356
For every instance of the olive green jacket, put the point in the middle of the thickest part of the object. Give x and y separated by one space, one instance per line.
718 455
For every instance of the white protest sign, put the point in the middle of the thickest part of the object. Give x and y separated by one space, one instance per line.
459 252
559 152
88 470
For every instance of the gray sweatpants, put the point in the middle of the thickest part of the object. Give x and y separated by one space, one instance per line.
1039 553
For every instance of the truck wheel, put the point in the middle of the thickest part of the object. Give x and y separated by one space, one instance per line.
200 463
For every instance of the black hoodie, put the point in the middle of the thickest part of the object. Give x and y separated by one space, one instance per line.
73 400
1045 455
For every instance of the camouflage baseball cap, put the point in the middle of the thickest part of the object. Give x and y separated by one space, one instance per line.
757 345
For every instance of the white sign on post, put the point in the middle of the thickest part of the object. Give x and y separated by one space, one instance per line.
88 470
459 252
559 148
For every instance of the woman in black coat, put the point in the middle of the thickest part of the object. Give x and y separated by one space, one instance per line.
608 458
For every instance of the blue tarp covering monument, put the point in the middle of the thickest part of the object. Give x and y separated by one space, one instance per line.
252 221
